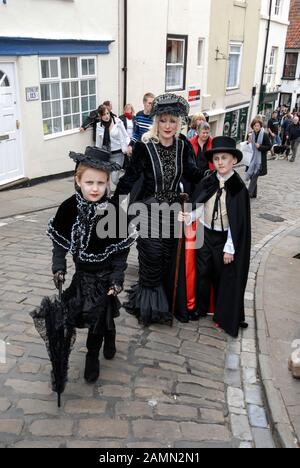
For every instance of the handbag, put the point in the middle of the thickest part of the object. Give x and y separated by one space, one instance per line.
246 149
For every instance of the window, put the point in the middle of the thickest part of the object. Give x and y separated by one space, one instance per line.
68 92
278 7
271 69
4 81
290 66
285 100
234 66
176 63
200 55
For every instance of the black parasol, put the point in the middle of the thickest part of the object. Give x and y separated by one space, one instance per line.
51 322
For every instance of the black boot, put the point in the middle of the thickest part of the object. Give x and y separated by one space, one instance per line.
92 363
109 350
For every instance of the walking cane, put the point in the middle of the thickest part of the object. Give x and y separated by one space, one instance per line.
183 200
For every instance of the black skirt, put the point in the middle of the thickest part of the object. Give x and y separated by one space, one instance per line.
88 304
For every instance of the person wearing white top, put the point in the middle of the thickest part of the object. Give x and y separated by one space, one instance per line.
111 135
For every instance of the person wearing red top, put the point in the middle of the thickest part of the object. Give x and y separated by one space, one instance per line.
186 307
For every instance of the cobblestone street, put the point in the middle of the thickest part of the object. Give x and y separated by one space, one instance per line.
186 386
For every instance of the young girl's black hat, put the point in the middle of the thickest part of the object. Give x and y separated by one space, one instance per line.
96 158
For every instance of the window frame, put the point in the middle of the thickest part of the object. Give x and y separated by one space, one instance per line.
278 7
202 40
294 77
234 44
60 81
184 39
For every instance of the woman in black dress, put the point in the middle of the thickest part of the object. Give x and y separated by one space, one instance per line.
161 159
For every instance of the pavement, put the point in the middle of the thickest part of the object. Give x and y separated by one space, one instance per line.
181 387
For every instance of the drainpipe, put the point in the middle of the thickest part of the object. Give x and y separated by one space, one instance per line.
261 94
125 68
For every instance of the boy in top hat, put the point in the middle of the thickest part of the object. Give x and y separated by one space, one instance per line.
224 259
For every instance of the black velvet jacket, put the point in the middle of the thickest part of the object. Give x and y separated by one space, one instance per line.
75 229
143 165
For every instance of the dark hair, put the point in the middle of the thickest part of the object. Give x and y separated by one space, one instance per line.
102 109
255 121
107 103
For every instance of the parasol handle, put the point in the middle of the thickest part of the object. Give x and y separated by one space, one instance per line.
184 197
60 290
59 400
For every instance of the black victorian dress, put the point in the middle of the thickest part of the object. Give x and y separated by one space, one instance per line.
162 168
100 262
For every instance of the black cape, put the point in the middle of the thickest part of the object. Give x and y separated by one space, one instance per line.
74 228
230 310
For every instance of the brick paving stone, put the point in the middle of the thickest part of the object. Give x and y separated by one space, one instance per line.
29 387
178 412
93 444
11 426
52 428
85 407
104 428
165 339
34 406
202 432
114 391
38 444
196 390
29 368
213 416
240 427
133 409
202 382
163 431
5 404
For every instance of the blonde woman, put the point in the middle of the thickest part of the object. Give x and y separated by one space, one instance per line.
160 159
195 122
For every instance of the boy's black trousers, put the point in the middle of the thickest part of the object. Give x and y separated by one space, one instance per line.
210 265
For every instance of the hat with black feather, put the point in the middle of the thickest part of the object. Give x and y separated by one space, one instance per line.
95 158
170 104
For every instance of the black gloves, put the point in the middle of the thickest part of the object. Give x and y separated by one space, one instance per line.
59 277
115 290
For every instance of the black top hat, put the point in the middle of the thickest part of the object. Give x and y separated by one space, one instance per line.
224 144
170 104
96 158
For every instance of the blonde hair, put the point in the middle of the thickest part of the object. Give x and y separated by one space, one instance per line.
131 107
83 167
195 118
153 131
148 96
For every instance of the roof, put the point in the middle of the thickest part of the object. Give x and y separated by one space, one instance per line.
293 35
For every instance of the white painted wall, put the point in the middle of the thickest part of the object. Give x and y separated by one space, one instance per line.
59 19
149 24
277 38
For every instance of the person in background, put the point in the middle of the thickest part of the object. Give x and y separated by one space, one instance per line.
110 106
143 122
195 121
261 144
128 119
273 129
294 137
112 136
91 121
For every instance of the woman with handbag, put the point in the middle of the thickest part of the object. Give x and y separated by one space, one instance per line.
260 142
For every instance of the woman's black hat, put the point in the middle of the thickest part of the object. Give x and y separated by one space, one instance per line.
96 158
170 104
224 144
